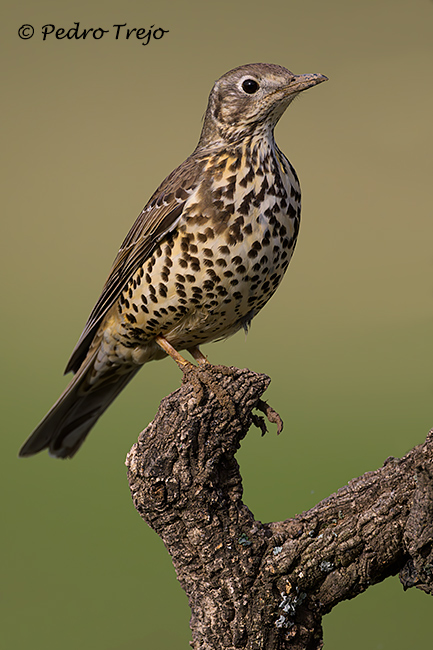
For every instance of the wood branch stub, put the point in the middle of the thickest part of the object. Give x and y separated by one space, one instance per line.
253 585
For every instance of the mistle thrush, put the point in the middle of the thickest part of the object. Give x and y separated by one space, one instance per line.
203 257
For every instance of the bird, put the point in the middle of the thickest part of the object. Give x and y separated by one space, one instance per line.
204 256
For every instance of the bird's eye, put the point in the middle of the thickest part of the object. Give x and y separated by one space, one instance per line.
250 86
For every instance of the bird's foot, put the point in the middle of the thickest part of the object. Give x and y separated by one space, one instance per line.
206 375
201 375
271 415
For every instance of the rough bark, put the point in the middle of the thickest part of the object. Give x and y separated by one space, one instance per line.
253 585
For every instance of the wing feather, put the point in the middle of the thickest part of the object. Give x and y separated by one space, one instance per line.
158 218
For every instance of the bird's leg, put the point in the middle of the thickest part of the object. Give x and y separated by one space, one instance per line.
198 355
201 375
174 354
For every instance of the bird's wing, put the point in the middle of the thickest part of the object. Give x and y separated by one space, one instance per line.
158 218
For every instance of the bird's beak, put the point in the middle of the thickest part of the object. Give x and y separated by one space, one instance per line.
301 82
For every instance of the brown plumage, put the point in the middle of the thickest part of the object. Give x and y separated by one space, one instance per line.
206 253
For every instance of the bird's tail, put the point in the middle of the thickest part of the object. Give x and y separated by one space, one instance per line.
65 427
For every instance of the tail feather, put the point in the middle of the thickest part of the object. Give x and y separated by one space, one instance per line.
65 427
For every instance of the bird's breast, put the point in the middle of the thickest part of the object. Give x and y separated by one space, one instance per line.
224 260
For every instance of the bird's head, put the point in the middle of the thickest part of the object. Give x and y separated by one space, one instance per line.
249 99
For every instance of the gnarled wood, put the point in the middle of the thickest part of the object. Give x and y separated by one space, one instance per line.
253 585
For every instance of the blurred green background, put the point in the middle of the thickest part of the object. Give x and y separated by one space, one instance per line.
90 128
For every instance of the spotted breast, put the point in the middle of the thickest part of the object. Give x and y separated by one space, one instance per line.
214 273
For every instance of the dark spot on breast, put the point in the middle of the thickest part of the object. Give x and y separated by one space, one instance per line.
229 191
152 322
247 178
229 209
235 164
244 207
211 273
216 195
